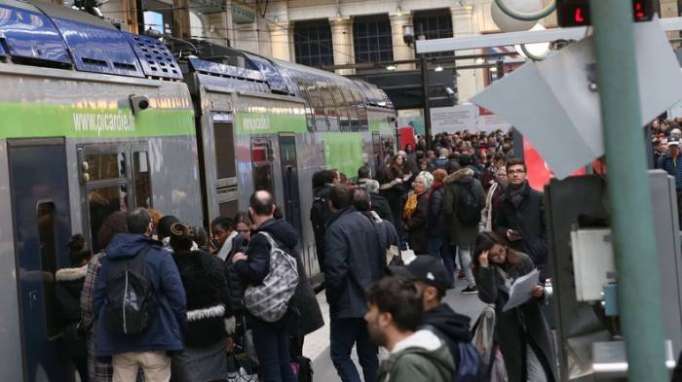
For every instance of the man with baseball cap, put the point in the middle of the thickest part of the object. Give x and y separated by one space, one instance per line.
432 281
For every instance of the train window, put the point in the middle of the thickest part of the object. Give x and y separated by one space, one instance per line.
143 179
223 139
262 165
103 202
46 218
106 165
330 109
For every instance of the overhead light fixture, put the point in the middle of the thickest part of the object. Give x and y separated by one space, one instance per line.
438 69
391 67
408 34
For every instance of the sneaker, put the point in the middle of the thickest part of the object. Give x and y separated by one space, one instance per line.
470 290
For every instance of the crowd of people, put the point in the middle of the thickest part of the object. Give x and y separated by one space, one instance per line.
666 137
161 300
466 198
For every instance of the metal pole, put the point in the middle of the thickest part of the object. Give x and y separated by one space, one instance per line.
427 108
632 219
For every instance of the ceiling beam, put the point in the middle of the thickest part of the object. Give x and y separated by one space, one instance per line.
516 38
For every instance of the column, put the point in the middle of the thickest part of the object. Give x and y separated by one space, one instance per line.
342 42
129 8
279 37
181 25
469 82
401 51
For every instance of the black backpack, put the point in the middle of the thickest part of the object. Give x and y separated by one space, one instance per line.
469 206
131 299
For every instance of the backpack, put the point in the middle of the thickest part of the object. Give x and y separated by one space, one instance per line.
131 299
467 360
468 363
469 206
269 301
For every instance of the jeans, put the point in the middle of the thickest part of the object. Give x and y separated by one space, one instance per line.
438 247
464 253
272 348
156 366
344 332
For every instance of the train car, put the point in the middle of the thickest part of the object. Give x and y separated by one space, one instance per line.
273 126
93 121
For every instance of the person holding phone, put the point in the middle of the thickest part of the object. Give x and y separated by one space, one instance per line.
520 216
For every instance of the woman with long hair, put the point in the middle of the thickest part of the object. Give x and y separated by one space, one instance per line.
521 333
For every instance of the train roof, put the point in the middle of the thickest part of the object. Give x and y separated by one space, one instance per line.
43 34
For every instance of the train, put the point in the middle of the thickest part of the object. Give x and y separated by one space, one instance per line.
97 120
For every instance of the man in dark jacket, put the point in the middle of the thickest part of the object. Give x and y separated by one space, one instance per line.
164 333
354 261
521 217
388 236
271 339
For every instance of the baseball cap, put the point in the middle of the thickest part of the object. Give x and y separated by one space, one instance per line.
427 269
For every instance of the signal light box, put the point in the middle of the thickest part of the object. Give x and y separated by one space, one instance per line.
575 13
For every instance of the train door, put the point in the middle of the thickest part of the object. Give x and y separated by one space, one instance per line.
40 209
289 163
227 194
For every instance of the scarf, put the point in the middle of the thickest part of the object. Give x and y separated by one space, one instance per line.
517 194
410 205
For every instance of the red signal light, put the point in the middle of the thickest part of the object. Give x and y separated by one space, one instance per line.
577 12
639 12
578 16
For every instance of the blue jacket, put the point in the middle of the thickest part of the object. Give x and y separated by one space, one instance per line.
674 169
166 330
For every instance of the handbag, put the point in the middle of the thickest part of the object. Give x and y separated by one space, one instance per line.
484 332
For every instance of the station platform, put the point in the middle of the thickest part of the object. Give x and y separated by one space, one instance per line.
316 346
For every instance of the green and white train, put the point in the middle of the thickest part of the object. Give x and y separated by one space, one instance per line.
94 120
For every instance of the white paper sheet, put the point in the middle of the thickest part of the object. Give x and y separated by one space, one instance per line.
522 290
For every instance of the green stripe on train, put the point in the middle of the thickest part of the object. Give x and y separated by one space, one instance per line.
270 123
343 151
30 120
